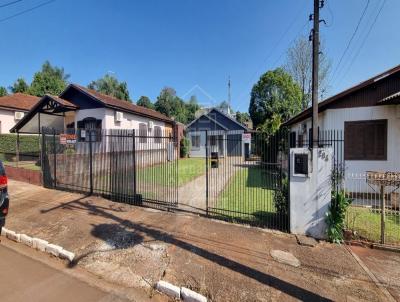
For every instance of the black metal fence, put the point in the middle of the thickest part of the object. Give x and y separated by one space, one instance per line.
117 164
20 150
247 179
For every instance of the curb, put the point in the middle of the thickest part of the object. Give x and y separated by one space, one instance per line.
38 244
176 292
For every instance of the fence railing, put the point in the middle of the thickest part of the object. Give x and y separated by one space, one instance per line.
374 214
118 164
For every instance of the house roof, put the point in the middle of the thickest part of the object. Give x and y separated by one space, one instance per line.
58 105
333 99
122 105
206 114
392 99
18 101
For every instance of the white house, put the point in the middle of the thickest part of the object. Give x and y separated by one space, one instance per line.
78 107
13 108
366 117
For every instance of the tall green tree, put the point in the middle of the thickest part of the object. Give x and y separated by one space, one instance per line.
50 79
144 101
20 86
275 96
242 117
171 105
192 107
3 91
110 85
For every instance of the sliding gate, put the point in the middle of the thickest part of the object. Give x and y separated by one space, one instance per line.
116 164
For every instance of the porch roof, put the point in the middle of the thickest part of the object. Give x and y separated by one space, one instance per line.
48 105
393 99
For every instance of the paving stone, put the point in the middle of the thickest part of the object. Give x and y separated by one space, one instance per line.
191 296
13 236
306 240
168 289
64 254
53 249
39 244
285 257
27 240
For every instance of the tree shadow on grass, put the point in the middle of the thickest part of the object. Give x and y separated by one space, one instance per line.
143 229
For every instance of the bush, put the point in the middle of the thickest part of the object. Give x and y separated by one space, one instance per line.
281 198
184 147
336 216
28 144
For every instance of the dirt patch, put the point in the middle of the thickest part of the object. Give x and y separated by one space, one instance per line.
136 247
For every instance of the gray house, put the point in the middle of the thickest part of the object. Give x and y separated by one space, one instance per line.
225 135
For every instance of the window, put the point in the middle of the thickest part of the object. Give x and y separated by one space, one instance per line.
157 134
213 140
91 128
195 141
142 133
365 140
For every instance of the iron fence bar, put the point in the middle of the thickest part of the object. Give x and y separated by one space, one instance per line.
90 163
54 159
207 180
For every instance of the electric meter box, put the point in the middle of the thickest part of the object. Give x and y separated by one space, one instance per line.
301 164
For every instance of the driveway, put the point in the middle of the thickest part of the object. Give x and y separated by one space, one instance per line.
135 247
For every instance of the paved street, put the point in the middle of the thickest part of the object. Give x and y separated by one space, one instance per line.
25 279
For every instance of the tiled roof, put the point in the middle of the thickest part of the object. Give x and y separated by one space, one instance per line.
123 105
19 101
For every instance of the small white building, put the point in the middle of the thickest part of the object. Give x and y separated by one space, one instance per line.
366 117
13 107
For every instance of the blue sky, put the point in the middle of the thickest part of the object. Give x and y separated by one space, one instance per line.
190 45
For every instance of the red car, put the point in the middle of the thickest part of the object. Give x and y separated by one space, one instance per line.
4 199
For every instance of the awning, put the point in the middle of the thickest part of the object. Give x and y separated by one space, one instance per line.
48 112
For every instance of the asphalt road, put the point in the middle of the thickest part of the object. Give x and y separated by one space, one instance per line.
25 279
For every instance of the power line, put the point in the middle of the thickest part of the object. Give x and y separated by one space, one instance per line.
351 39
364 40
26 11
9 3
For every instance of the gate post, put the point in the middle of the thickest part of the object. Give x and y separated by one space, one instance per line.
207 180
134 165
54 159
90 162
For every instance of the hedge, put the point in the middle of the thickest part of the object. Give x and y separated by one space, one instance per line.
27 143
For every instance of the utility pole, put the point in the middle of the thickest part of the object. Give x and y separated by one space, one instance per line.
315 67
229 94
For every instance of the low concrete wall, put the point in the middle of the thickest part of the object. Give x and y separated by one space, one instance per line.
25 175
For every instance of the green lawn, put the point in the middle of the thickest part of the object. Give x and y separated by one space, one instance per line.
249 196
172 173
367 223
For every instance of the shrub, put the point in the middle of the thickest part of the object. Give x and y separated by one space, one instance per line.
184 147
336 216
281 198
28 144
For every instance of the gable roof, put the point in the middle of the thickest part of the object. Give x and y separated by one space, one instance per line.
215 121
64 105
114 103
18 101
337 97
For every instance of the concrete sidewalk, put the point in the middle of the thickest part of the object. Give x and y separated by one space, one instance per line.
136 247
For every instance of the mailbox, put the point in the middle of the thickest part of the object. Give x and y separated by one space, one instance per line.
214 159
301 164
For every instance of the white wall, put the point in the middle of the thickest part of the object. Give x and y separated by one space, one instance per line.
97 113
333 119
7 120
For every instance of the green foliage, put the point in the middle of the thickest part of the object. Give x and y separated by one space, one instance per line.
51 80
174 107
281 198
144 101
27 143
110 85
242 117
20 86
3 91
184 147
274 93
272 125
335 218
